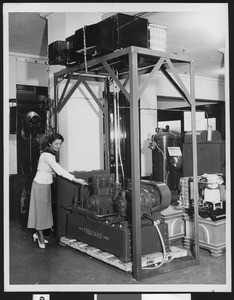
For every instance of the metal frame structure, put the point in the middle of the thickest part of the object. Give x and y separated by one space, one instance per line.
129 64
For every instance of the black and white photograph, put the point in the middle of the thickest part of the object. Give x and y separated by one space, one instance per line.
116 148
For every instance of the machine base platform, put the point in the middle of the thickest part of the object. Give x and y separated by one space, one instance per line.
147 260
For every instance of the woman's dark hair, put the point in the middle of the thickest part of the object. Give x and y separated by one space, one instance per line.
55 136
47 140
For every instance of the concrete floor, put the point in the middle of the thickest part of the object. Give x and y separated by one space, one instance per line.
30 265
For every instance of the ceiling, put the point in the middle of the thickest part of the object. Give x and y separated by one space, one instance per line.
200 36
27 33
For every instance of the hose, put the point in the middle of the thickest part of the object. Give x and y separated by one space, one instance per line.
167 175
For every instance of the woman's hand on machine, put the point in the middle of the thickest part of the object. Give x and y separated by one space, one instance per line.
80 181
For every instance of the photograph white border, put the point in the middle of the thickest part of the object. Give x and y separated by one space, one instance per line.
105 7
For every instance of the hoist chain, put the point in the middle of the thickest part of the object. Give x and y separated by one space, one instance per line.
85 52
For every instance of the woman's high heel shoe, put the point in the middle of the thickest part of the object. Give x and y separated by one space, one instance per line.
35 237
42 246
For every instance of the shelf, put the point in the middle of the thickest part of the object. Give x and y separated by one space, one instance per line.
147 58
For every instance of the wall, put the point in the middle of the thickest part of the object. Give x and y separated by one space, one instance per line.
80 121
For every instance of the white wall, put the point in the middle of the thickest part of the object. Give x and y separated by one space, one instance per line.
80 121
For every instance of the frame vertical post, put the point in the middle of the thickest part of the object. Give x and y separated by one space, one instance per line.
56 103
106 127
135 165
195 179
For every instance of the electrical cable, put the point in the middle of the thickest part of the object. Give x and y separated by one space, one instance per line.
163 246
207 119
164 155
167 175
22 133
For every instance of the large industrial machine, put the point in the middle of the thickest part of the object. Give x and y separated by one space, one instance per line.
117 212
100 214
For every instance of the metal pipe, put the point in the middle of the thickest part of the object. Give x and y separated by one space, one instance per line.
194 145
119 132
106 126
116 136
56 103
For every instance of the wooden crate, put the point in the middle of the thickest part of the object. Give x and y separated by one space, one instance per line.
147 260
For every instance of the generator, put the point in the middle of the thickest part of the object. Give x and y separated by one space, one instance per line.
100 215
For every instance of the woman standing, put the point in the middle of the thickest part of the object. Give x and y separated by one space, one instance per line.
40 209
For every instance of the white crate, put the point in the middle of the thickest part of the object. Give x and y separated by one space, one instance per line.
157 37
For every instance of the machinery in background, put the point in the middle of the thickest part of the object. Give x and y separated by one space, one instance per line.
210 167
211 196
31 121
211 155
100 214
167 158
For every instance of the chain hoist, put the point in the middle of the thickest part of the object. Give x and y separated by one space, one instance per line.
85 52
